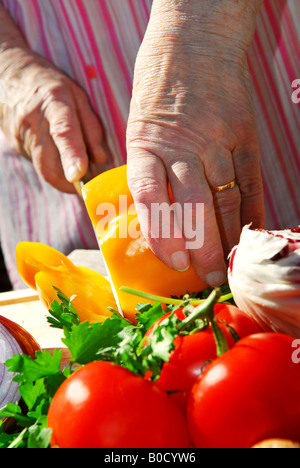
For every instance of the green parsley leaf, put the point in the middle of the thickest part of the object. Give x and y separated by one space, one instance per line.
86 339
64 314
39 436
148 314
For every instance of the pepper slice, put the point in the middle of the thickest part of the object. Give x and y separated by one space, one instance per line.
41 267
33 257
129 259
92 298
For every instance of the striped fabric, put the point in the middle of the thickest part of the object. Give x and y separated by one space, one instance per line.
96 42
274 60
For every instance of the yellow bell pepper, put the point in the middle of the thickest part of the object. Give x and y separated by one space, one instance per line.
32 257
41 267
130 261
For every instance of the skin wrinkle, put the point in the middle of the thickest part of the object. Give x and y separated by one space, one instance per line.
182 86
202 17
189 142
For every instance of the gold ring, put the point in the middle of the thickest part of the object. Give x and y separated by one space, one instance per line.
221 188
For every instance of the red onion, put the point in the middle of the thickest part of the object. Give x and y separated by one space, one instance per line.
13 340
9 346
26 342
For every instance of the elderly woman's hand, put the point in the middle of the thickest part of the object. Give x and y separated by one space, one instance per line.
45 116
192 124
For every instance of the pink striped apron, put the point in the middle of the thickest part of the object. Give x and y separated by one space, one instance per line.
96 42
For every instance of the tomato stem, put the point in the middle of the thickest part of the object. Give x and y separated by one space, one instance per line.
206 310
220 339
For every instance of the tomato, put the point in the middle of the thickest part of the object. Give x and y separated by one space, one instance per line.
193 352
102 405
250 393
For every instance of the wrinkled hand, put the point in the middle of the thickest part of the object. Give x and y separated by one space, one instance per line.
192 125
48 118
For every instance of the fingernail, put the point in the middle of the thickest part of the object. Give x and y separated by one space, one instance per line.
73 173
215 278
180 261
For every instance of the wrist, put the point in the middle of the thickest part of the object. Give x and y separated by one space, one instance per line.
22 71
233 21
16 58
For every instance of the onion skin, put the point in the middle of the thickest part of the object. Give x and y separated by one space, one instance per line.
26 342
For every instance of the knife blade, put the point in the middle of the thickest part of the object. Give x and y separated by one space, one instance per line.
80 183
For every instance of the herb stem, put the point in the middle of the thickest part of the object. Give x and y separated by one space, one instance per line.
206 309
170 300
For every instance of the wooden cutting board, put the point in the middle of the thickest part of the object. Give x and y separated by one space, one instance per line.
23 306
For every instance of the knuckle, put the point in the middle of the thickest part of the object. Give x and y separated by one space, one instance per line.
61 127
145 190
54 92
28 118
187 167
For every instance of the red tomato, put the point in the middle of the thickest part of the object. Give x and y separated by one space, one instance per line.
250 393
102 405
192 352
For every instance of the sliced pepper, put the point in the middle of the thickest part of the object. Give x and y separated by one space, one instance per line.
41 267
91 299
33 257
130 261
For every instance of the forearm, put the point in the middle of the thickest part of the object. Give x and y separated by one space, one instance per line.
10 36
198 8
230 23
11 40
15 54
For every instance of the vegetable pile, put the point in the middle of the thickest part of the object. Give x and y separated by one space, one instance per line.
194 371
199 374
